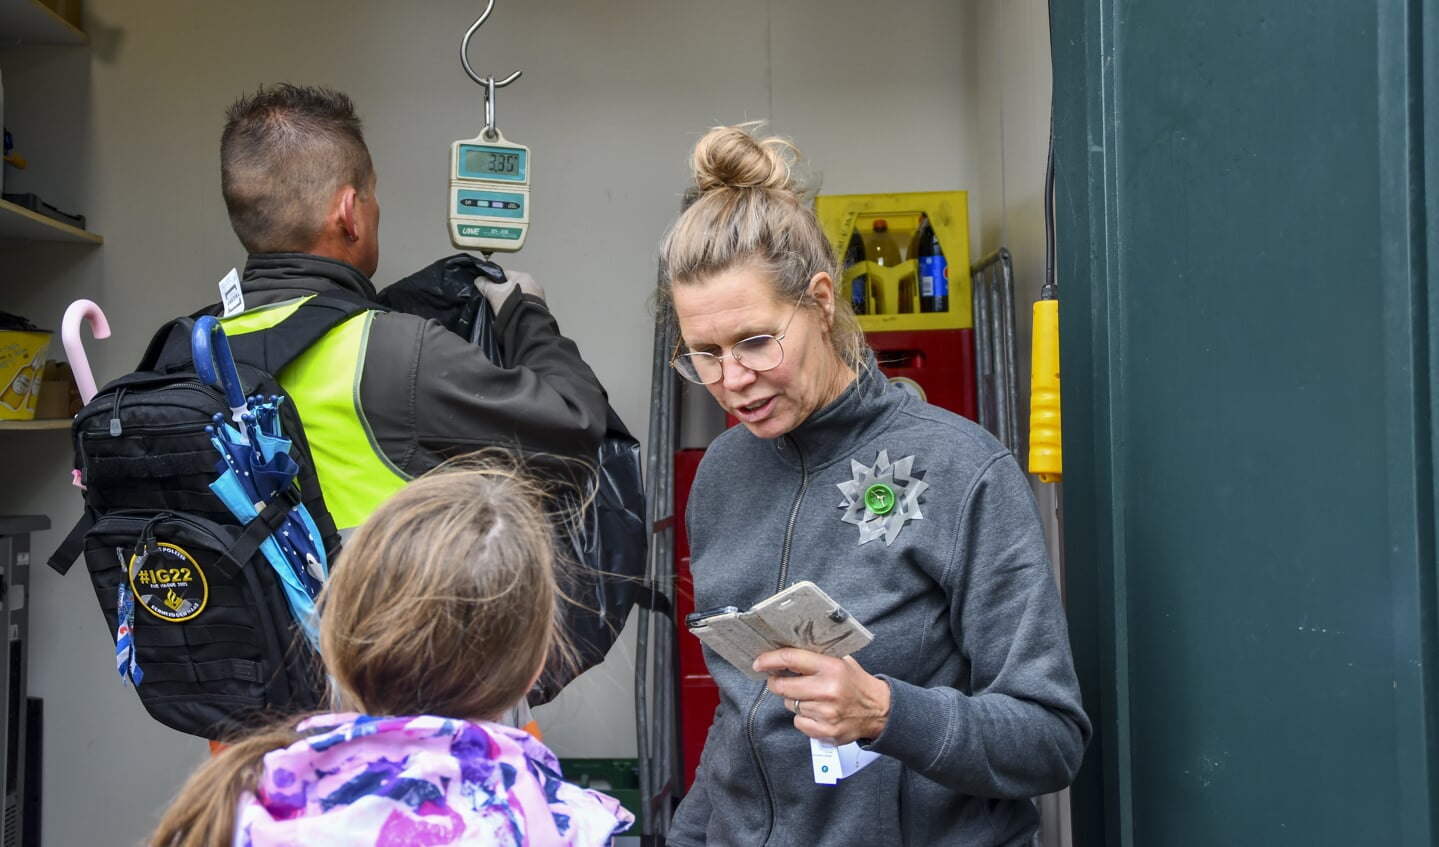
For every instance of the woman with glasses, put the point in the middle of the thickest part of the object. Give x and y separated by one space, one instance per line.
915 520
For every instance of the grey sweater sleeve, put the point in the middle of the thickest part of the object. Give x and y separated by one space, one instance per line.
1020 731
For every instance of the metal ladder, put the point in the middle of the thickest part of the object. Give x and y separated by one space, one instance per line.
656 649
996 374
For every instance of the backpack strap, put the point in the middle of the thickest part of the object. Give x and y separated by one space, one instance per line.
256 531
69 550
261 527
267 349
649 597
169 347
272 349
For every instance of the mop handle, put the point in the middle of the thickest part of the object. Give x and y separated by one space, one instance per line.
1046 458
215 364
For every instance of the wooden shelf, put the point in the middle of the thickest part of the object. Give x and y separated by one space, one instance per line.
31 22
38 423
18 223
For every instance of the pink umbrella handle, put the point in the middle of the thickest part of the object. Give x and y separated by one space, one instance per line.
74 349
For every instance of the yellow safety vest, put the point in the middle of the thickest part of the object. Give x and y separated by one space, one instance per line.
324 384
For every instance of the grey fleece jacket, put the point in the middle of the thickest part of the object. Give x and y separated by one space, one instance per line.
969 633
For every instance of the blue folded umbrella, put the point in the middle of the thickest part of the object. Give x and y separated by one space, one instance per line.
256 467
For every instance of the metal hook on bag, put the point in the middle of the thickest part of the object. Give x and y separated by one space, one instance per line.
487 81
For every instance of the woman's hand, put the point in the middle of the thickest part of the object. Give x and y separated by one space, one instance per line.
833 699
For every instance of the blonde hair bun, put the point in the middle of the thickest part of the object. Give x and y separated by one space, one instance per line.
735 157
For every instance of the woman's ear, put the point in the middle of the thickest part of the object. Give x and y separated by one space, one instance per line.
821 288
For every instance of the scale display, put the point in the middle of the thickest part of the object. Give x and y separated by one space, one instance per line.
489 194
480 161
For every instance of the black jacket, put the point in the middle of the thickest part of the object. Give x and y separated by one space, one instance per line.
428 394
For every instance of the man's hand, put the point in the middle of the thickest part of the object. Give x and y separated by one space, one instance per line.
498 292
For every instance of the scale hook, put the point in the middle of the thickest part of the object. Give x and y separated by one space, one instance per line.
465 55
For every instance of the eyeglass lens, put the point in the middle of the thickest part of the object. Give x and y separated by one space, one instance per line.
761 353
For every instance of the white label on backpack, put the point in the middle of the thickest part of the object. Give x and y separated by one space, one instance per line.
231 296
168 583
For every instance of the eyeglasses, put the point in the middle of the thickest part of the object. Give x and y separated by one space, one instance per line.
757 353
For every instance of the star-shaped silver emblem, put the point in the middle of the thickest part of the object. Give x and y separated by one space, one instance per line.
881 497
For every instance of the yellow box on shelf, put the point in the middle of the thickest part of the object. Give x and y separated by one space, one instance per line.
22 360
891 293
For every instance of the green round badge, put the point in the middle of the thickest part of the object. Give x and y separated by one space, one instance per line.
879 498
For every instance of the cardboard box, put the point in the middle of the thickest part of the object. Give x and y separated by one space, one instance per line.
22 361
59 395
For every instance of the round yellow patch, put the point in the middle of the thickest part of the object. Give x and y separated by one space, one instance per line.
168 583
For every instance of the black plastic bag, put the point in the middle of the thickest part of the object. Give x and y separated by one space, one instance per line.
610 543
608 539
445 291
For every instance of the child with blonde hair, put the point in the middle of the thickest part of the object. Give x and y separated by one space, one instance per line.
438 619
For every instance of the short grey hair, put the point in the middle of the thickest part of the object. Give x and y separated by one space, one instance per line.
285 151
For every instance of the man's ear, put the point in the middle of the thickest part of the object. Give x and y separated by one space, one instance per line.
345 212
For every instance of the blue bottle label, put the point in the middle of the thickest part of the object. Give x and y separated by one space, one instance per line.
933 276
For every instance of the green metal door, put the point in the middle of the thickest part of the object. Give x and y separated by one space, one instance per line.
1247 208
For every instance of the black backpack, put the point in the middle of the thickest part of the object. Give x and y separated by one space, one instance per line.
213 646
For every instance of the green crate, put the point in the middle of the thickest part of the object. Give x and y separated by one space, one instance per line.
619 778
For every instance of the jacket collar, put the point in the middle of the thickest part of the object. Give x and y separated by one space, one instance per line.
303 272
831 434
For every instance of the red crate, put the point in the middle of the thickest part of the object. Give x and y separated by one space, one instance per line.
691 657
939 361
698 694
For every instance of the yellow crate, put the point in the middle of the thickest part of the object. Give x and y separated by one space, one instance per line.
22 360
948 211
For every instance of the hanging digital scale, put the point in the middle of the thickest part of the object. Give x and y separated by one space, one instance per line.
489 176
489 193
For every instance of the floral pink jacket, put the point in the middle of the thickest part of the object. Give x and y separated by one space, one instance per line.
416 782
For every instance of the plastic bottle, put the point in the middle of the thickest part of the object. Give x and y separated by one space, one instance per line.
881 249
933 270
20 393
853 255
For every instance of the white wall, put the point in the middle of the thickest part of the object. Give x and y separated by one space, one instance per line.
612 97
1011 125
